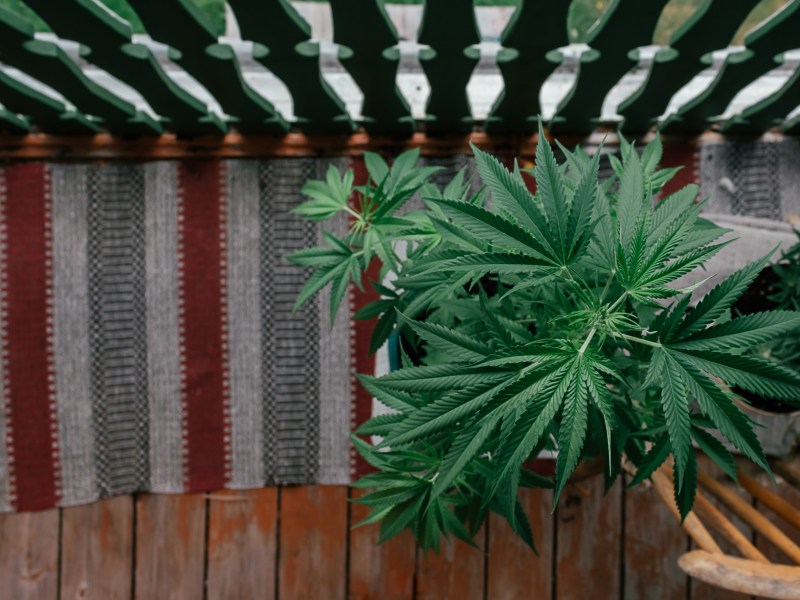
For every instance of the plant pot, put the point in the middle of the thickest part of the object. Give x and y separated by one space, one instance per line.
778 432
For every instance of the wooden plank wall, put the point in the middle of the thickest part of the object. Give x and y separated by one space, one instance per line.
296 543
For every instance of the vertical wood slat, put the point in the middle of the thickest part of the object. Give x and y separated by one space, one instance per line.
589 545
456 573
29 556
514 571
379 572
170 546
651 561
97 549
313 542
242 528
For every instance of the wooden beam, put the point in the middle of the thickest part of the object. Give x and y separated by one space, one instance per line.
237 145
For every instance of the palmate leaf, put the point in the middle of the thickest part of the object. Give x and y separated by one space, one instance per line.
326 198
581 215
335 274
602 247
395 399
675 405
402 515
715 450
438 378
716 404
678 208
380 424
749 373
493 230
506 405
510 394
552 195
446 412
654 458
675 269
664 248
454 343
467 444
744 332
631 198
685 485
510 194
519 441
492 262
572 430
719 299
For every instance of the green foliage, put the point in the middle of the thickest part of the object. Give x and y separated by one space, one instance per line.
539 321
783 294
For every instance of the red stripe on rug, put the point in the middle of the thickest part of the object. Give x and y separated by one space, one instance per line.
361 361
680 154
27 348
201 231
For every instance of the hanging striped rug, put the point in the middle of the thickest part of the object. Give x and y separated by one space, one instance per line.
147 333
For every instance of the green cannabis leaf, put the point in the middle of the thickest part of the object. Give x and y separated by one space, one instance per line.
539 321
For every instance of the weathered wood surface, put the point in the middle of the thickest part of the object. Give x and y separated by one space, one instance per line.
97 544
313 542
242 544
384 572
296 543
170 546
513 570
650 568
588 541
456 573
29 545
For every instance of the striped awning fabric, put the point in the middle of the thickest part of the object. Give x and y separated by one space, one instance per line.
147 334
443 66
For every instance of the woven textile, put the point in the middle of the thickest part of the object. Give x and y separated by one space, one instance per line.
148 338
754 178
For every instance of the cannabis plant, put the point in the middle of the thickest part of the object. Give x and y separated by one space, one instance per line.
538 321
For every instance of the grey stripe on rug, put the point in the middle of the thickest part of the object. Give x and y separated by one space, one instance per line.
244 325
71 333
163 360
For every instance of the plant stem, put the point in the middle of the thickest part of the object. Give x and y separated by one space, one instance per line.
607 286
587 340
353 213
618 301
630 338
